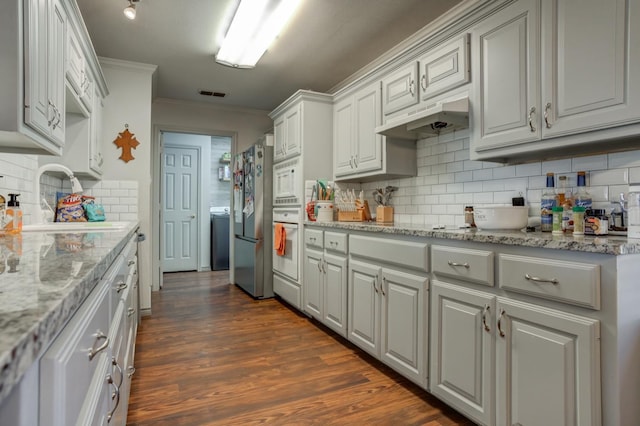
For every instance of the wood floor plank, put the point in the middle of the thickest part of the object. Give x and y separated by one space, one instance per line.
211 355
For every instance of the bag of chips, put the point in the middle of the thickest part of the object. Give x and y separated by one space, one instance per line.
69 208
93 210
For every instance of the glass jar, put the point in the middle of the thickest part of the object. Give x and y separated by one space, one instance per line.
596 222
633 212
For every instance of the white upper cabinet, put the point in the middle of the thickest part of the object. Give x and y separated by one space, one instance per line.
45 32
544 71
445 68
287 133
400 90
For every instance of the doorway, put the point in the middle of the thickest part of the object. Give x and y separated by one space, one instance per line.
192 185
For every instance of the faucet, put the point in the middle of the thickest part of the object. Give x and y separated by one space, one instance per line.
52 167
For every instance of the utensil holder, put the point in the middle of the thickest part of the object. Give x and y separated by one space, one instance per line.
325 211
384 214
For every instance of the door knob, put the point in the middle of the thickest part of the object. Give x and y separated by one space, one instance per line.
193 216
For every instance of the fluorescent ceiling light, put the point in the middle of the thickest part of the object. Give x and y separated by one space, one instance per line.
130 11
255 25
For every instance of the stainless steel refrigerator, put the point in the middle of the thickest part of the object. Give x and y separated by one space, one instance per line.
252 219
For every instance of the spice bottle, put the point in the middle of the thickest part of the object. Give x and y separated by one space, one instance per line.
547 202
557 212
13 218
583 197
468 216
578 220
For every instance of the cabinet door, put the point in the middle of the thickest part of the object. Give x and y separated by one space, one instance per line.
462 350
444 68
548 366
335 293
368 107
587 76
55 68
343 137
505 97
293 122
364 306
312 287
95 148
279 135
404 324
399 89
38 111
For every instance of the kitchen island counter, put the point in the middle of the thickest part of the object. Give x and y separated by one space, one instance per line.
44 278
608 244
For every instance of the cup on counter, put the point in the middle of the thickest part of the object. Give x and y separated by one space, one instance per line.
325 211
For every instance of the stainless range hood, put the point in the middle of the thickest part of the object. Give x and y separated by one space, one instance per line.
442 118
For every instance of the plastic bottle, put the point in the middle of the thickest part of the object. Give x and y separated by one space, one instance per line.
565 200
2 215
633 229
578 220
547 202
557 219
13 223
583 197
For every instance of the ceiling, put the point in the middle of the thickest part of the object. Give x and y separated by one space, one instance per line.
326 42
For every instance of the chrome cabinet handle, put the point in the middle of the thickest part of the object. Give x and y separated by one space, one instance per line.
131 371
352 162
130 312
319 266
531 112
116 395
375 287
51 120
93 351
384 280
423 82
412 85
502 312
487 309
355 160
465 264
323 263
121 286
547 108
114 362
553 281
131 262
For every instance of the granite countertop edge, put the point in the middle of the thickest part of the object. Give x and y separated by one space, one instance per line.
606 244
36 337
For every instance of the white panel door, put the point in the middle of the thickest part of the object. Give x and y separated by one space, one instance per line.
506 91
56 69
343 135
313 283
400 90
585 76
293 139
180 208
548 366
404 323
335 293
368 150
462 349
38 112
279 135
364 306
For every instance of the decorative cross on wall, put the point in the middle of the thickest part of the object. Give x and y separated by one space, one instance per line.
127 141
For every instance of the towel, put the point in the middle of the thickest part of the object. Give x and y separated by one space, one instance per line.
280 240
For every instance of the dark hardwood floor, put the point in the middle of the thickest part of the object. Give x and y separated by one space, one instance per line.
211 355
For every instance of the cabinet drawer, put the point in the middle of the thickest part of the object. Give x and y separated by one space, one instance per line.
313 238
409 254
464 264
569 282
288 291
335 241
66 369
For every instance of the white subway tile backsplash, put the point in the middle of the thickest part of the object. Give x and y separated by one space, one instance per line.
483 174
493 185
532 169
463 177
446 178
634 175
472 187
483 198
504 172
593 162
472 165
609 177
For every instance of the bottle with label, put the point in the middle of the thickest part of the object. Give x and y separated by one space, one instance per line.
547 202
564 200
633 228
13 215
2 215
583 197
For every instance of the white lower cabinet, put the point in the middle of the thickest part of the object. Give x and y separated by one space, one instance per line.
388 317
461 369
545 363
325 279
548 366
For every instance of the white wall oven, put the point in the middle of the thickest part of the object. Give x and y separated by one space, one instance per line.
286 268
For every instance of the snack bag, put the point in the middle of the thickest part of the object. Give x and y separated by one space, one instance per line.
69 208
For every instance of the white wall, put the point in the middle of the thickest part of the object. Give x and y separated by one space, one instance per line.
129 103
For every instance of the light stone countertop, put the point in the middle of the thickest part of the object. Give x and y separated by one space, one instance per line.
609 244
39 294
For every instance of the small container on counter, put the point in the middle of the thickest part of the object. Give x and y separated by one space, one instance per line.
596 222
556 223
633 227
468 217
578 220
